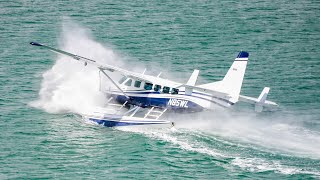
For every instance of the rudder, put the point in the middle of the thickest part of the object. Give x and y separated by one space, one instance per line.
232 81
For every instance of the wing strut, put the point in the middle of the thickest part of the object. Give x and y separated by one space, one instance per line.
113 82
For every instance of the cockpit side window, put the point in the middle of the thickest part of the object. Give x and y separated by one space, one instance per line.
174 91
137 84
122 79
157 87
148 86
128 83
166 89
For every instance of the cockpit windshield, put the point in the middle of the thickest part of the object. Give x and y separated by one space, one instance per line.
128 83
122 79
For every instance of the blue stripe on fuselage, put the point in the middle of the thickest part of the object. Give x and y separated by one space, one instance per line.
198 93
174 104
110 123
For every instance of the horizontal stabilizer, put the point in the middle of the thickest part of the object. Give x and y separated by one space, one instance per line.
259 102
263 96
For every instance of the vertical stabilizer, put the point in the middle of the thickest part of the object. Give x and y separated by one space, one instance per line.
232 81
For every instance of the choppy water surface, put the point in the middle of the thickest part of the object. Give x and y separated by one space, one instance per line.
41 92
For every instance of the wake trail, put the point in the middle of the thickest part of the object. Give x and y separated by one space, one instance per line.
226 153
283 133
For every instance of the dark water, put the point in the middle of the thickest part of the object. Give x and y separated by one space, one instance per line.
41 92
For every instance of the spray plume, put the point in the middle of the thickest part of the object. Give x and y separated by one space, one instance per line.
69 86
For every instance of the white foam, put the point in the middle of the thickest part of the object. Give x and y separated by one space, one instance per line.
283 134
169 135
262 165
69 86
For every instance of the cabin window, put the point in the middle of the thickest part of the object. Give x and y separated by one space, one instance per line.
175 91
128 83
157 87
122 79
166 89
137 84
148 86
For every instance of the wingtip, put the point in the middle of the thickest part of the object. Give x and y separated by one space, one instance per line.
35 44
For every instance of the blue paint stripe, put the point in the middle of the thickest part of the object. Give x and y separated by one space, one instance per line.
221 99
108 123
243 54
224 100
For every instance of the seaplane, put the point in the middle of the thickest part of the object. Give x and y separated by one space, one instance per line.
138 99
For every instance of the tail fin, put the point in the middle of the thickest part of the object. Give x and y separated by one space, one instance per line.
232 82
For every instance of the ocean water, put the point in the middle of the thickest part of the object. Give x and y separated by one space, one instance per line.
41 92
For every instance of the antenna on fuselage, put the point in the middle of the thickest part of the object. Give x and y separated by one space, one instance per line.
145 69
159 74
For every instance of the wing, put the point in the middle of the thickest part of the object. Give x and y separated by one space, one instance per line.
93 62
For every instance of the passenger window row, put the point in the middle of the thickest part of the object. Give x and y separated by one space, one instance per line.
148 86
157 88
